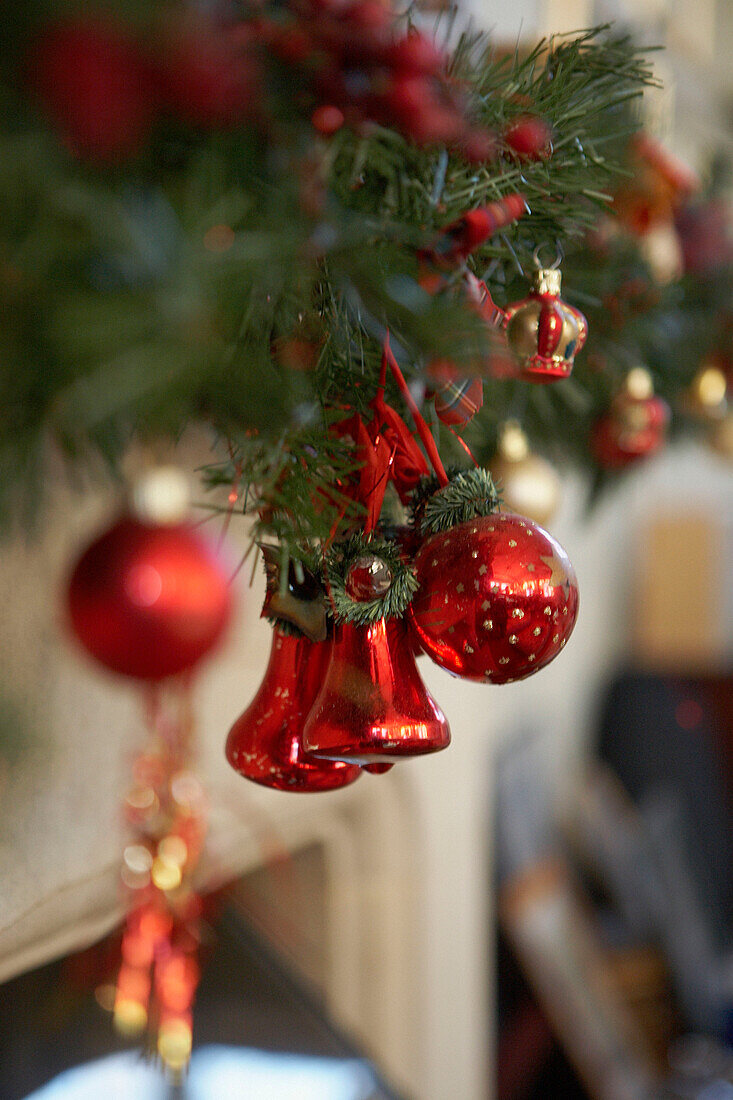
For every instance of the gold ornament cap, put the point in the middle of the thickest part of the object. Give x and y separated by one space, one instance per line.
513 443
639 384
161 495
547 280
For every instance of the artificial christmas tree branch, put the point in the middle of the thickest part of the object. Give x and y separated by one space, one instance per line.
208 248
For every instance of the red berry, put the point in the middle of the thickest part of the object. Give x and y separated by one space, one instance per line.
411 103
96 88
368 15
416 54
327 120
530 137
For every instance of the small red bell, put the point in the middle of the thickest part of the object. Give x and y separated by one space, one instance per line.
373 706
265 743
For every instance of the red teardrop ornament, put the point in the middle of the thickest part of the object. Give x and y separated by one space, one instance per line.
265 743
373 706
497 599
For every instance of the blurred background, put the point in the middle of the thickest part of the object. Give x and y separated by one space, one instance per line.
546 910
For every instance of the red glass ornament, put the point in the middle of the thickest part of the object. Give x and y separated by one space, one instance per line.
497 599
265 744
149 601
373 706
368 578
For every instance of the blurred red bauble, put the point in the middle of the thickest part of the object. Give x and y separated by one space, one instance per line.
149 601
206 77
634 427
498 598
705 236
96 88
529 137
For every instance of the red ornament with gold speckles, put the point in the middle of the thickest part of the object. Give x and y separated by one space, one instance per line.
498 598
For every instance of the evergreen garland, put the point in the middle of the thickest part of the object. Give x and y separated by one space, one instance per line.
244 275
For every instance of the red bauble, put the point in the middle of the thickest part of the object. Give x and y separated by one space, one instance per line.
529 137
96 88
149 601
265 744
497 599
373 706
632 429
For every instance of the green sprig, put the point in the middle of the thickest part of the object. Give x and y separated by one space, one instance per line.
469 494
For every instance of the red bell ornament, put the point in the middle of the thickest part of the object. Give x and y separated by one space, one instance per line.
265 744
544 333
498 598
149 600
373 706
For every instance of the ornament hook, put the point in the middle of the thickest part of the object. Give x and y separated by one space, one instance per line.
554 265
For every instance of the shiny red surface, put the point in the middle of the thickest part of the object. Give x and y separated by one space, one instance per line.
373 706
497 599
265 743
149 601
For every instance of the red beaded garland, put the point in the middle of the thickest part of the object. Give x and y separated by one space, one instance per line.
149 601
498 598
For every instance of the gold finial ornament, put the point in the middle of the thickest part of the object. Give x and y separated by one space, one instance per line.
529 485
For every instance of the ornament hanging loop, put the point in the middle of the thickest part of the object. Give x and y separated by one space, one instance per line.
551 267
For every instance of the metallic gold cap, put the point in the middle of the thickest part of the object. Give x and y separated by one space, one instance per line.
547 280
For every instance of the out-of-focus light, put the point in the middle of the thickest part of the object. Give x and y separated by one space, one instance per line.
162 495
187 790
130 1017
710 387
639 384
174 1043
174 850
166 876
